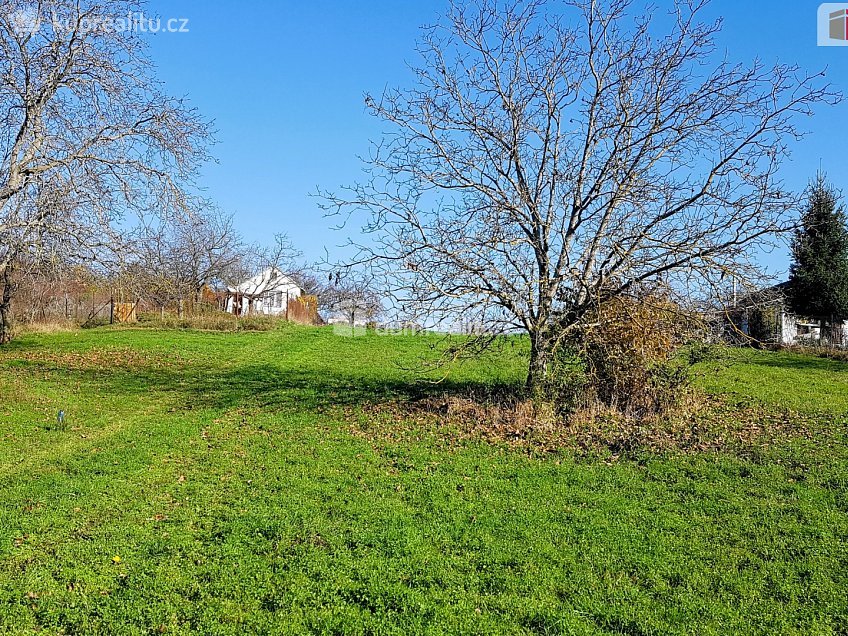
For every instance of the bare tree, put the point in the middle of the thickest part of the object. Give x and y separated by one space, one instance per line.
85 131
172 258
207 247
151 265
355 296
281 254
29 246
255 258
551 155
310 278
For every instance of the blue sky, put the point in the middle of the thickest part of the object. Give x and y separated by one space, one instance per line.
284 82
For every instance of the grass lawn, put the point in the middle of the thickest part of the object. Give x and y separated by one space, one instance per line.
211 484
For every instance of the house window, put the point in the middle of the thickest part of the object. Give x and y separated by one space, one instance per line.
279 299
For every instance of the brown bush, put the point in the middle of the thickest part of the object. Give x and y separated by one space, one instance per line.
628 350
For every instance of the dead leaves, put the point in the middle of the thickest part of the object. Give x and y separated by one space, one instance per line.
714 425
98 359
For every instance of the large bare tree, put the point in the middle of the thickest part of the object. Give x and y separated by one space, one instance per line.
553 154
86 132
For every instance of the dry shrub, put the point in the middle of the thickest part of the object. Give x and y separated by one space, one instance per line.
627 351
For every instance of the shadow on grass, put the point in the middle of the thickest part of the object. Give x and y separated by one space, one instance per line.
797 362
267 386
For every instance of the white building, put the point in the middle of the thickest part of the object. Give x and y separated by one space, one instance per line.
267 293
765 316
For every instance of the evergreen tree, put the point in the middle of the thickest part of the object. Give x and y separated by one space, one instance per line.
818 282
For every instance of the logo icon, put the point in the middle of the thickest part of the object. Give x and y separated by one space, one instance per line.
25 22
839 25
833 24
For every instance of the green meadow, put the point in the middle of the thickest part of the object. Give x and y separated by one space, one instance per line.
207 483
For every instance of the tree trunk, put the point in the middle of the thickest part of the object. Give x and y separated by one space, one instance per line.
5 322
539 359
8 289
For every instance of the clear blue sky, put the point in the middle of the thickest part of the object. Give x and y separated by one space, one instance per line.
284 82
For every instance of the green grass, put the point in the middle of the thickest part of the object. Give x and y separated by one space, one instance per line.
799 382
240 499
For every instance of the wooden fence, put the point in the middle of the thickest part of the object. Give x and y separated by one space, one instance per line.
124 312
303 310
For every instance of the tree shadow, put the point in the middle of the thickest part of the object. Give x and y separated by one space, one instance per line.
266 386
799 363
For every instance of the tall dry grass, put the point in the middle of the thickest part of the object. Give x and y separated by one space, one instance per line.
47 327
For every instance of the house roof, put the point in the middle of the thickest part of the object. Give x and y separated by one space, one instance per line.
272 279
774 295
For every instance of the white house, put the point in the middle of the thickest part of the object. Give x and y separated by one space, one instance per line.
765 316
267 293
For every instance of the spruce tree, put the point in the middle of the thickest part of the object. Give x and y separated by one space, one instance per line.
818 282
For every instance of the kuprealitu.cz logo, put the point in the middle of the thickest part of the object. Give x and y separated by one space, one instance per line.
833 24
28 21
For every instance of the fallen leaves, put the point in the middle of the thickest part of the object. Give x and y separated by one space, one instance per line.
716 424
100 358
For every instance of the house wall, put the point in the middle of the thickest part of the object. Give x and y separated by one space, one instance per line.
273 302
788 329
792 334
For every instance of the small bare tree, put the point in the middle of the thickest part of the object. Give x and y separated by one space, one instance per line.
257 258
553 155
171 259
86 134
355 296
